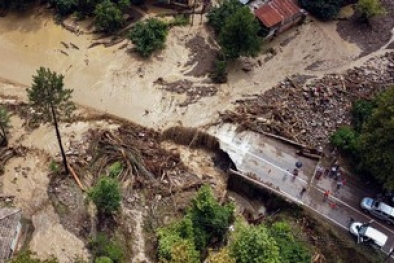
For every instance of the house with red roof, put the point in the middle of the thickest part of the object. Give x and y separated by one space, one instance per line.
277 16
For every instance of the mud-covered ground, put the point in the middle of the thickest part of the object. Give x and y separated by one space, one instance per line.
115 81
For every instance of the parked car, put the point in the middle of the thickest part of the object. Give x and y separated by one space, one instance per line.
367 234
378 209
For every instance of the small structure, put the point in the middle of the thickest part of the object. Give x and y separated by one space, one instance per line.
10 230
277 16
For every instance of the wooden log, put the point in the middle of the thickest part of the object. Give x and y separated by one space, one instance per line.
75 177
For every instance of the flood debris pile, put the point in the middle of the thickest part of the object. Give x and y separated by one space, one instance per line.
193 92
308 114
202 56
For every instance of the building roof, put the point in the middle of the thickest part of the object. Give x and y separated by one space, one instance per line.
9 219
276 11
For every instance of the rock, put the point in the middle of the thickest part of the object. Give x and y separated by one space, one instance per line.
130 200
247 66
8 200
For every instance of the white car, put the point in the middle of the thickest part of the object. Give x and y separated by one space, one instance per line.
365 233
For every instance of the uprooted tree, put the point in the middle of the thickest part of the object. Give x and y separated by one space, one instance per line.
51 101
4 126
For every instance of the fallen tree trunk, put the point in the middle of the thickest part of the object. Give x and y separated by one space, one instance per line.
75 177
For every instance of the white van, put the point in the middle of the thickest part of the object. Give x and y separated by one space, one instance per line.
365 233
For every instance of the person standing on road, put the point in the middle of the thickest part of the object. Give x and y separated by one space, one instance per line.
287 172
302 191
295 174
326 194
339 185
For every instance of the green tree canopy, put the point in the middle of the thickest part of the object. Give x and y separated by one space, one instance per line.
148 36
108 17
370 8
253 244
290 249
361 111
217 15
345 139
376 142
322 9
4 125
238 36
209 218
106 195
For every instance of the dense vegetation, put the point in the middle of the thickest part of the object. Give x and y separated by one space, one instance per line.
207 223
369 142
322 9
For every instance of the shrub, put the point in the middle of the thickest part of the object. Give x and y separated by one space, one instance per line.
101 246
179 20
174 234
148 36
65 7
108 17
369 9
345 139
290 249
106 195
103 260
219 74
209 218
253 244
115 169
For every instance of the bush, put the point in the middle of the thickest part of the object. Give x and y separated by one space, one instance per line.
345 139
115 169
253 244
101 246
174 234
369 9
290 250
108 17
219 74
209 218
65 7
223 256
179 20
322 9
30 257
106 195
103 260
148 36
